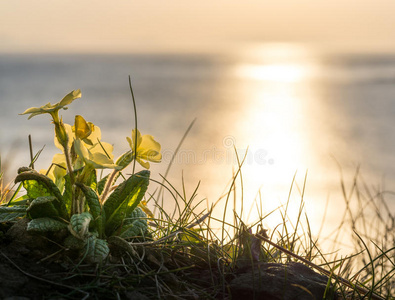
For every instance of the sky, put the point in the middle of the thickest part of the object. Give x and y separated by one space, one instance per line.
181 25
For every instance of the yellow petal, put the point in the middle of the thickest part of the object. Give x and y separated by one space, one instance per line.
43 171
49 108
81 128
80 149
139 139
145 164
70 97
108 149
101 161
95 134
150 149
148 142
59 159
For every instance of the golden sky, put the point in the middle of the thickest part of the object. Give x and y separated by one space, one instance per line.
182 25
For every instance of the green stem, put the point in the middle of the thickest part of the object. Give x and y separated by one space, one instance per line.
74 205
63 139
108 185
135 122
84 178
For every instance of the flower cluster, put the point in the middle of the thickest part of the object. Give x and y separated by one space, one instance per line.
83 149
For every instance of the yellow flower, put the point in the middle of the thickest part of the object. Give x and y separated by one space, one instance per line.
147 149
57 170
88 132
93 156
85 138
53 108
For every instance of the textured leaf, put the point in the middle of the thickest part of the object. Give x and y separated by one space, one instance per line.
67 192
45 224
124 200
92 199
23 200
43 207
38 185
93 180
36 189
72 242
79 225
101 184
94 206
125 159
67 195
87 176
96 250
134 225
11 213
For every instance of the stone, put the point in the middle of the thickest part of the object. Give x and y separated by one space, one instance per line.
292 281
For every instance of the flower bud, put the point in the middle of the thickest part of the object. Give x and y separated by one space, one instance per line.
61 134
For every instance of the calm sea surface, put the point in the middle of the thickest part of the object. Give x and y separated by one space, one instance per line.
290 110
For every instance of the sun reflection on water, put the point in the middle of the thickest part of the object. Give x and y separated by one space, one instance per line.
274 72
277 100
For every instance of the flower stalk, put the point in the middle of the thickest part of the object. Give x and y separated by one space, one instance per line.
108 186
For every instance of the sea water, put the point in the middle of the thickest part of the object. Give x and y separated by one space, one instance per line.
320 116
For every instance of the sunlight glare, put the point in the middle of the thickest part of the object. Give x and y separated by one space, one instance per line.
277 89
274 72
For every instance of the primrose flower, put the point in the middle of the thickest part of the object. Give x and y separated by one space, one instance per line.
85 136
53 109
58 170
93 157
88 132
88 146
147 149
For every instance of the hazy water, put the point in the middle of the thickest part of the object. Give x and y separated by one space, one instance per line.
296 111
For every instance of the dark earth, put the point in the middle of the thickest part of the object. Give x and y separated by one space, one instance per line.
34 267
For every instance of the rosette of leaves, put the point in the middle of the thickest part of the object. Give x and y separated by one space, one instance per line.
49 211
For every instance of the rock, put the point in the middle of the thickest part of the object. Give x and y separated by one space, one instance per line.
278 281
24 242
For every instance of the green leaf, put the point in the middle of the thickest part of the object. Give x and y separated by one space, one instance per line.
72 242
43 207
35 189
38 185
125 159
134 225
94 206
87 176
45 224
96 250
102 184
79 225
124 200
10 213
92 199
67 193
93 180
23 200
